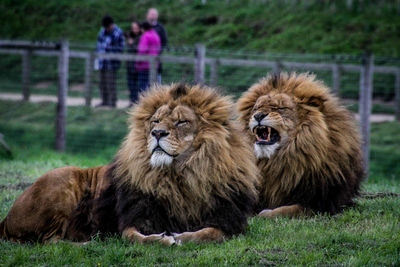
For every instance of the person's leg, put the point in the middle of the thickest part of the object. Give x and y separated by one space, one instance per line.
109 87
113 88
135 87
159 72
103 87
130 73
143 80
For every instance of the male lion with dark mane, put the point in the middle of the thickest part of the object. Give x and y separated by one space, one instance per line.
184 173
307 146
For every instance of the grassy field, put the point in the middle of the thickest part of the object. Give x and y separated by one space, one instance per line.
367 234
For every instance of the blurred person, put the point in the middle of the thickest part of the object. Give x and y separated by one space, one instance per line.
132 40
110 40
152 18
149 44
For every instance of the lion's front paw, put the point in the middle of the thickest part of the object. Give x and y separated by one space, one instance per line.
267 213
181 238
152 238
168 241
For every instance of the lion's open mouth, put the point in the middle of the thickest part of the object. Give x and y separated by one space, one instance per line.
266 135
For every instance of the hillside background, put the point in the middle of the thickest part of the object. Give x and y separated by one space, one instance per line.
293 26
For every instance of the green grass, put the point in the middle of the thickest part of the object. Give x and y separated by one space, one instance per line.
367 234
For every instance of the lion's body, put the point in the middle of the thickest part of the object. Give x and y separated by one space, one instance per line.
151 213
199 175
46 210
318 162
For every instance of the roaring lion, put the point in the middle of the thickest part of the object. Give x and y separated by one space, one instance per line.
307 146
184 173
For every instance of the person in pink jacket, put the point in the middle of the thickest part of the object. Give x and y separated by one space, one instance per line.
149 44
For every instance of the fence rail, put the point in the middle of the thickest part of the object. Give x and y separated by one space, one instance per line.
200 61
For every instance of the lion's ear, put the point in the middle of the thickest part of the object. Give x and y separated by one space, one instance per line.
179 90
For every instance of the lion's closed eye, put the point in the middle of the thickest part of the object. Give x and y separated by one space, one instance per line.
182 122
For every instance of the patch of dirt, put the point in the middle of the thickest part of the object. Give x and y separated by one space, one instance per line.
43 85
79 87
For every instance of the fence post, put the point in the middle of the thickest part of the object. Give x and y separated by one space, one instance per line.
335 79
88 79
277 67
153 71
397 94
199 65
26 74
349 4
365 102
213 72
63 62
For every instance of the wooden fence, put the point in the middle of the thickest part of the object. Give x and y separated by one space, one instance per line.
199 61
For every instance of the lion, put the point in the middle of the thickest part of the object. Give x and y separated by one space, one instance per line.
307 146
184 173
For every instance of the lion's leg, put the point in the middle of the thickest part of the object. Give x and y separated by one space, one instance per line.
208 234
292 211
134 235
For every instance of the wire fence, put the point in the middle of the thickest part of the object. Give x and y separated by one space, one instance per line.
233 79
31 71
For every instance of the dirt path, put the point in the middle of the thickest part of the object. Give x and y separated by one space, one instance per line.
79 101
71 101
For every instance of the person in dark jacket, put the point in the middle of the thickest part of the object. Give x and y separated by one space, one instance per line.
152 18
110 40
132 40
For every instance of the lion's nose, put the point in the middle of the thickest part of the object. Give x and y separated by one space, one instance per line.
259 116
159 133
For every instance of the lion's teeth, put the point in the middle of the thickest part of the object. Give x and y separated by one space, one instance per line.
269 134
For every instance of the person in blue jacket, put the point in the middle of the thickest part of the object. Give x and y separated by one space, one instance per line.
110 40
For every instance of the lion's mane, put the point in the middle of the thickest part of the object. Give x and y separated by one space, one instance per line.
220 165
321 166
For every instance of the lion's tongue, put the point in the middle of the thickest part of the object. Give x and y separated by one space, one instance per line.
265 137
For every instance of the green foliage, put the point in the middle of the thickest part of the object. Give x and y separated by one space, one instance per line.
280 26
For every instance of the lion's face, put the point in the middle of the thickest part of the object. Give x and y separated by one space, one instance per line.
306 142
171 131
272 120
185 148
